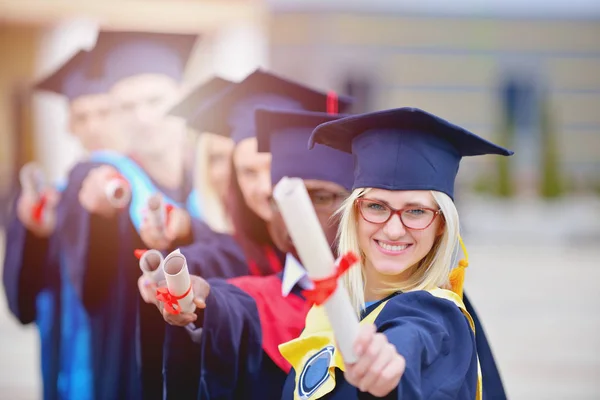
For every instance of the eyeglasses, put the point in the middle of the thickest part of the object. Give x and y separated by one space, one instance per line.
322 200
415 218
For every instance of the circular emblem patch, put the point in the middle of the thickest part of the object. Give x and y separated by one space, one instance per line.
315 372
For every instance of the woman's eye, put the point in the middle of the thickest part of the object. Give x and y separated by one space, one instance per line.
375 206
416 211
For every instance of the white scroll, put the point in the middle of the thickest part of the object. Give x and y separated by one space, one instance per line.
314 251
151 265
118 192
157 211
178 280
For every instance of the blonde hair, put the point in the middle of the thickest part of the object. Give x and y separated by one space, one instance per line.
213 207
432 271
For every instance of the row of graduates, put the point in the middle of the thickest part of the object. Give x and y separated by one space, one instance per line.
75 274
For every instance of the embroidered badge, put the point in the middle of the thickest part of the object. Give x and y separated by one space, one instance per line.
315 372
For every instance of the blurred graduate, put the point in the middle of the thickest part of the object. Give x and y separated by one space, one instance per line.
145 71
241 322
35 267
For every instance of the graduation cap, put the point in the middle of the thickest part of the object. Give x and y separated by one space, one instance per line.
73 79
285 134
403 149
232 112
119 55
198 97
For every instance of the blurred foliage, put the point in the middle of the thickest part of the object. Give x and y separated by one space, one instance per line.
551 182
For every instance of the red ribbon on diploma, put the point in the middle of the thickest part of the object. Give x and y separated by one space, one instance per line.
171 302
332 102
138 253
325 287
168 209
38 209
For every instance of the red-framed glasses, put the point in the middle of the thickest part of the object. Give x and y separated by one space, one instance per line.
415 218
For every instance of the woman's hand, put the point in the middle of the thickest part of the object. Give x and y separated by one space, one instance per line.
201 289
379 366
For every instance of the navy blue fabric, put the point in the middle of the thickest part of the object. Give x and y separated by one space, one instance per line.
435 339
181 368
232 112
32 287
285 135
194 100
403 149
119 55
73 79
127 335
493 389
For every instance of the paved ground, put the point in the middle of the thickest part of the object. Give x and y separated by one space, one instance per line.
533 279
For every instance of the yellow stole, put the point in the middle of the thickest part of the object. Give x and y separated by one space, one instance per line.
315 348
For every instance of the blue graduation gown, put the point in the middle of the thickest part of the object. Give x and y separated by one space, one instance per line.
37 288
32 288
431 333
244 321
126 334
180 359
492 382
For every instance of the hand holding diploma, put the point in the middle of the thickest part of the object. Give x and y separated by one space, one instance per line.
157 212
175 231
201 290
36 207
152 274
151 264
178 296
104 192
312 246
118 192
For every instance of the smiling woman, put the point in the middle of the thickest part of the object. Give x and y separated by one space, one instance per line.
410 248
416 338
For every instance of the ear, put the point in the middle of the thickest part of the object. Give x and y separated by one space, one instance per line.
441 228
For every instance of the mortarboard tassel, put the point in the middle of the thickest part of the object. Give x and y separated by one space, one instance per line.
457 275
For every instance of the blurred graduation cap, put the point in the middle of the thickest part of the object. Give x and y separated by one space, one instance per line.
119 55
403 149
232 113
73 78
285 134
198 97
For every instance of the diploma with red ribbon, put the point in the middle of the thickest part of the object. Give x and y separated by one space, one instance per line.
170 301
324 288
33 184
313 248
178 296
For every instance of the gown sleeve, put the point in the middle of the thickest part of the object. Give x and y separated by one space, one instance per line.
23 273
438 344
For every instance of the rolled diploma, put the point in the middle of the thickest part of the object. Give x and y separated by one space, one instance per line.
151 265
178 280
118 192
314 251
32 180
157 211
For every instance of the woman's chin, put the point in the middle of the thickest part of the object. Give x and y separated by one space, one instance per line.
389 268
